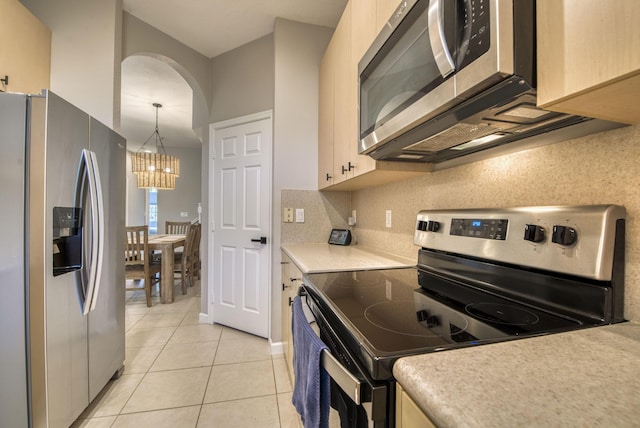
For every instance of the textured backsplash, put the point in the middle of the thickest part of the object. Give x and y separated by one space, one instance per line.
323 211
598 169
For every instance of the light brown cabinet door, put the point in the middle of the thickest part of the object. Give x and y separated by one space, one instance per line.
343 113
588 58
325 118
408 414
25 56
291 280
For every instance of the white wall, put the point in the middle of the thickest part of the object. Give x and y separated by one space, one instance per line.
140 38
86 40
298 52
242 80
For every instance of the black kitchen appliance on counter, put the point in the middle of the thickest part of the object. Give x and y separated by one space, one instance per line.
483 276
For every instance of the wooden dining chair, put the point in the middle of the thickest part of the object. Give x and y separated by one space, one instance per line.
139 265
196 252
177 227
184 262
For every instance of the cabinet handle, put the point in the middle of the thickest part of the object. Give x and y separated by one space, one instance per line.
295 279
329 177
290 301
284 286
284 263
5 80
349 168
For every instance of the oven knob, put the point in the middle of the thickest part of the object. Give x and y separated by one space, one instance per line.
433 321
533 233
564 235
422 225
433 226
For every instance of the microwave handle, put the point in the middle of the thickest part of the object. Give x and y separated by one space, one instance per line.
441 54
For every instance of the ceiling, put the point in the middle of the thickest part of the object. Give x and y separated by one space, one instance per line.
210 27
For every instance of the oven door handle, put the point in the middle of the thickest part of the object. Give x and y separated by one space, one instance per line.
350 384
341 376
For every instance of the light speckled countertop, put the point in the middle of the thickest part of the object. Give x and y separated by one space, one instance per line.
331 258
585 378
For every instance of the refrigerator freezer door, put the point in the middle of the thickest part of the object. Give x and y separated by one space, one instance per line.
67 391
106 320
13 358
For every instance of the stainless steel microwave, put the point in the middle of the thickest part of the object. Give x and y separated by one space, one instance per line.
446 78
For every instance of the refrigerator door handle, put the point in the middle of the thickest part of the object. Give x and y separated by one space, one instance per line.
98 219
88 170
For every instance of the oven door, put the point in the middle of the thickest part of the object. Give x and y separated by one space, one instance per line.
356 399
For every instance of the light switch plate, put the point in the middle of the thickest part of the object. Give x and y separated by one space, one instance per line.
299 215
388 219
287 215
184 214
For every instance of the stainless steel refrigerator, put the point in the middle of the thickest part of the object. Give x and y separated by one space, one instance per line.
62 178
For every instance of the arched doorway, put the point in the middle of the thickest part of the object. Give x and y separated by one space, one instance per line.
148 79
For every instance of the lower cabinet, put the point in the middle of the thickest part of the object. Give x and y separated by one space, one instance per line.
408 414
291 280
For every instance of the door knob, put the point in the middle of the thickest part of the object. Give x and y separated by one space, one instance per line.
262 240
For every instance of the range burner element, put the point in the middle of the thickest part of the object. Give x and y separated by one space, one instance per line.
400 317
498 313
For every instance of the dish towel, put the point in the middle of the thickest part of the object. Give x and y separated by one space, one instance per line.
311 396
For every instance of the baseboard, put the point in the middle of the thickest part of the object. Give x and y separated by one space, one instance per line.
204 318
277 348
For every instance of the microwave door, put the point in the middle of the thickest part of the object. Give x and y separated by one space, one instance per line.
408 80
438 40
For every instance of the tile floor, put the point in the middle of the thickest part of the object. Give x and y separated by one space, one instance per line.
182 373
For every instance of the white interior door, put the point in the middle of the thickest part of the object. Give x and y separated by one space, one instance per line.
241 184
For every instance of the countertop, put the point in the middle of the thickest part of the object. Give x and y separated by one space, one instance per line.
584 378
310 258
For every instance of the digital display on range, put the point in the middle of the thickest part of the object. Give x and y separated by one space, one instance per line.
480 228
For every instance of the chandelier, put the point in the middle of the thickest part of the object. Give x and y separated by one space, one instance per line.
155 170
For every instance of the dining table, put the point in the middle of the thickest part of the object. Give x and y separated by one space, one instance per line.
166 244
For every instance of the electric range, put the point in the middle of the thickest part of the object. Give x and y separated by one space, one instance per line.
482 276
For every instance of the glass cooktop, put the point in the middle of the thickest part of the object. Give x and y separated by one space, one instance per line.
398 312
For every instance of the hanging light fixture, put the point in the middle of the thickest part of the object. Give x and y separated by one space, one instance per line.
158 170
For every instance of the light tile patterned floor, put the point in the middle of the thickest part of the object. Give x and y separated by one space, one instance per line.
182 373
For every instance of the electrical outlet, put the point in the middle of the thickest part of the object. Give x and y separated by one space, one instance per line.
388 219
184 214
353 214
287 215
299 215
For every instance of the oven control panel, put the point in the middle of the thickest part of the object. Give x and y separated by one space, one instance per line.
577 240
480 228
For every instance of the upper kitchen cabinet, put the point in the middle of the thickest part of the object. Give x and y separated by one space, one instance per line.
333 127
343 120
25 57
588 58
340 166
325 117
